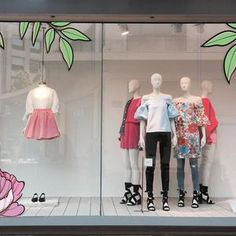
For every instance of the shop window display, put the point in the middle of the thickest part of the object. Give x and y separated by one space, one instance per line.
85 156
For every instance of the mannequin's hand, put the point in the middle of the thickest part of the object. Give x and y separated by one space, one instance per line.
203 141
174 140
141 143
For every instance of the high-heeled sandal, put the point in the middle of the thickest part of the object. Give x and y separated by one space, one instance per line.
204 196
127 194
181 202
136 197
165 205
42 198
150 203
35 197
195 203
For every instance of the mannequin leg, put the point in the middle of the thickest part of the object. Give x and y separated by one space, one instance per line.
133 154
206 163
195 179
165 149
136 197
180 173
128 171
194 171
128 184
151 148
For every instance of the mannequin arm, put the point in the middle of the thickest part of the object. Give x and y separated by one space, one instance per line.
203 140
173 129
142 134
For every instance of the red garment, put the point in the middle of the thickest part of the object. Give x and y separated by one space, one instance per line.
129 139
211 128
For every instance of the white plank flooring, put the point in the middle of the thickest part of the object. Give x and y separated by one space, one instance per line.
85 206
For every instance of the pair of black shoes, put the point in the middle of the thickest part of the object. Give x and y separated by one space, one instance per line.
37 198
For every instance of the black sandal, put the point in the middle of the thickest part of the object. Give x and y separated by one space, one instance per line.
42 198
127 194
165 205
204 196
195 203
134 200
35 197
150 203
181 198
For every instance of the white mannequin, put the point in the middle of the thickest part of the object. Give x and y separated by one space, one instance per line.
185 84
156 81
131 155
209 149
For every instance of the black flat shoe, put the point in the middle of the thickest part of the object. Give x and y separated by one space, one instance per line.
34 198
42 198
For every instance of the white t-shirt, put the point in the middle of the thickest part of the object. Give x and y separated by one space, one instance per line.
41 97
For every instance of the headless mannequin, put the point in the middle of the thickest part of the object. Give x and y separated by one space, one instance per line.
131 153
185 84
154 135
208 152
41 101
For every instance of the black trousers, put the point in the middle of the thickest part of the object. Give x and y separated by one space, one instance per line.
164 139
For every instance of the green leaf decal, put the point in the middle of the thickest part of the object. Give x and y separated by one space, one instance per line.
74 34
230 63
1 41
67 52
232 25
23 28
60 23
49 38
222 39
35 32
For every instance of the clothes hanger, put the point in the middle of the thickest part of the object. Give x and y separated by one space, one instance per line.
43 81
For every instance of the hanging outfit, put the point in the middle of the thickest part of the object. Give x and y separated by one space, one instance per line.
41 105
130 127
188 146
211 139
158 112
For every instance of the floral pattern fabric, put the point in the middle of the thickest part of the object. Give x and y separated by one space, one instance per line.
191 117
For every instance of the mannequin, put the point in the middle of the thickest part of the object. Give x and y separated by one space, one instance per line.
188 123
157 114
41 105
129 137
209 148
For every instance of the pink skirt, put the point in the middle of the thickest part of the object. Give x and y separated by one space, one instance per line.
130 138
42 125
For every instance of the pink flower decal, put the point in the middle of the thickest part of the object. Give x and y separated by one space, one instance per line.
10 193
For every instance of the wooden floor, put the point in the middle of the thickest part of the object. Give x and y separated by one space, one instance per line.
111 207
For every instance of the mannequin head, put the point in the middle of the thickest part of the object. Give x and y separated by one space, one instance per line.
185 84
134 85
156 81
207 86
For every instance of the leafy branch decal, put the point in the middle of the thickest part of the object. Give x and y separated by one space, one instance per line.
223 39
62 30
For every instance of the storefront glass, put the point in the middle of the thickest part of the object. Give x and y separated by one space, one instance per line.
86 162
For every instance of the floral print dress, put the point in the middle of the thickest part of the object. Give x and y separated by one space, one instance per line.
191 117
